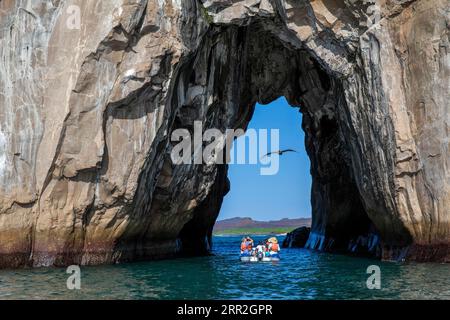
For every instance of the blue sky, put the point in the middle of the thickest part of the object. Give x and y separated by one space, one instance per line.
284 195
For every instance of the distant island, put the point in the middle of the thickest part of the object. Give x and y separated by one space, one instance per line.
243 226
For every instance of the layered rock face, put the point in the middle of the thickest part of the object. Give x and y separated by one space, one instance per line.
297 238
91 91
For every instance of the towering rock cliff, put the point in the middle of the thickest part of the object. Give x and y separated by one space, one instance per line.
90 92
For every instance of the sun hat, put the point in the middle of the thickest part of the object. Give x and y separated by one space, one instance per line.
273 240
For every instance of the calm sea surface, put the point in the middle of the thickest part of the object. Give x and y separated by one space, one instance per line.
301 274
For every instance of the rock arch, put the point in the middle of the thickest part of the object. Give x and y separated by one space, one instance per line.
90 181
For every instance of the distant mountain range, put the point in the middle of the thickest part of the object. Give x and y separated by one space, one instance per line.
234 225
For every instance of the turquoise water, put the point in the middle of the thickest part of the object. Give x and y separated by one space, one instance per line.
301 274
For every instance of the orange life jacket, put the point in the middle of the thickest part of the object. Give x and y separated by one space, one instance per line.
243 246
274 247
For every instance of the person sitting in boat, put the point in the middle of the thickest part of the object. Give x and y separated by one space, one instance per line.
246 245
260 248
266 251
266 248
273 247
249 243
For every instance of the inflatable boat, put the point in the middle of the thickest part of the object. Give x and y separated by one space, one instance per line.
249 258
275 257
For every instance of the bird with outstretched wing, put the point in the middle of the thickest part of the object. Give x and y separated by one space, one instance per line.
280 152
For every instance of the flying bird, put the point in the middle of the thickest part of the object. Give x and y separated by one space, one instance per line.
279 152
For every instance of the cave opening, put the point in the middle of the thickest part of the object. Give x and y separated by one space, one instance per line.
230 74
286 191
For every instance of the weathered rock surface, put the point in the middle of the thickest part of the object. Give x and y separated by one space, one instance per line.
86 115
297 238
